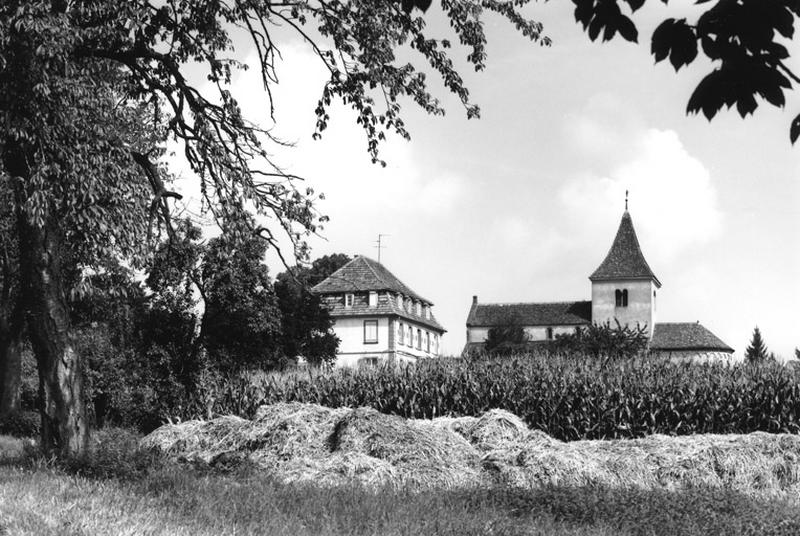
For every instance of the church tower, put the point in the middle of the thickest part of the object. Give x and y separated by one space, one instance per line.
623 286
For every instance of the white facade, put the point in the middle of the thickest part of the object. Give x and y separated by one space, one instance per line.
638 305
534 333
357 346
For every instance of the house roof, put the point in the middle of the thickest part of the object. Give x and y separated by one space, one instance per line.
364 274
625 259
677 336
529 314
384 308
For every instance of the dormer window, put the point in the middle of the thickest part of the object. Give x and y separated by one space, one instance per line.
426 311
373 299
348 300
418 309
400 301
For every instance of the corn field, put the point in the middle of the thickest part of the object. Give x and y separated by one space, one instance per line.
569 398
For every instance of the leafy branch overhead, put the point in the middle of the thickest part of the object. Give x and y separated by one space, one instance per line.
745 41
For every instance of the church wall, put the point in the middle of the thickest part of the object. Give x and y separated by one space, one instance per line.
641 307
534 333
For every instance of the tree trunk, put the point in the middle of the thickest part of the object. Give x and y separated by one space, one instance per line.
61 393
10 366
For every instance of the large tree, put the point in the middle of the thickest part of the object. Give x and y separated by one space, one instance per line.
74 74
307 327
11 309
744 41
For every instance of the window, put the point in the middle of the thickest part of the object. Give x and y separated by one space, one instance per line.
428 341
549 334
419 339
410 336
435 344
400 301
400 334
348 300
418 309
621 298
426 311
373 299
654 300
367 362
370 331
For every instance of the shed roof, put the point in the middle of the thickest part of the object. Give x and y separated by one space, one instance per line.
625 259
530 314
364 274
675 336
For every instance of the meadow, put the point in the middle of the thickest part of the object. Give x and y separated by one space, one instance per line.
117 492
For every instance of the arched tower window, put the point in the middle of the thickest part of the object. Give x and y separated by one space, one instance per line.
618 298
625 298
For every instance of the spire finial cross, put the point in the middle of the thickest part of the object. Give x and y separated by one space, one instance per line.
626 200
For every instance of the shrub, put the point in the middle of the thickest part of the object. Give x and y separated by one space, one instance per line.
603 340
21 424
114 453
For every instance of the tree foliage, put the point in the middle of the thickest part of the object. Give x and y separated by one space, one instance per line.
507 339
757 350
744 41
307 327
241 323
605 340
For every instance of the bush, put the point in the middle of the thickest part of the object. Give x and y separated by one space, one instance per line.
603 340
114 453
21 424
569 397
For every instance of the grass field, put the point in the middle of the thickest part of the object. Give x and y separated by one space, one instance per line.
36 497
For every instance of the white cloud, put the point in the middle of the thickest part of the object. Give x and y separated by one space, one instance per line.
673 199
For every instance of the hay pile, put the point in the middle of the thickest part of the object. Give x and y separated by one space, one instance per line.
306 442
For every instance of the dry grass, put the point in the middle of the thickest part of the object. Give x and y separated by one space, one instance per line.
324 499
298 442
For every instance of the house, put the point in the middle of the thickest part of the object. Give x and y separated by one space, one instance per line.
624 288
377 317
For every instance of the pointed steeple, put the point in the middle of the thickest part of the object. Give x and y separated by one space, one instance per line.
625 259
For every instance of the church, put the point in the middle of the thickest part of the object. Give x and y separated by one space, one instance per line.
624 288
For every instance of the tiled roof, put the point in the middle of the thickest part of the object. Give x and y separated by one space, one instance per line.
385 307
364 274
685 336
530 314
625 259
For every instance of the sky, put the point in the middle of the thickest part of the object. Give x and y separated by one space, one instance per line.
523 204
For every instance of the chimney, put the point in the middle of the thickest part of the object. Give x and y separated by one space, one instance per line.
474 300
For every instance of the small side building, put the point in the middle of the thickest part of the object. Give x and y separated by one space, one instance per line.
377 318
687 340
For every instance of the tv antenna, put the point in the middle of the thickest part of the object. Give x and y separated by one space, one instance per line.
379 245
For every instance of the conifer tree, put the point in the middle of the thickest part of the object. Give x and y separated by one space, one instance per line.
757 351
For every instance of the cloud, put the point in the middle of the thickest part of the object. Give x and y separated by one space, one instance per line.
673 199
